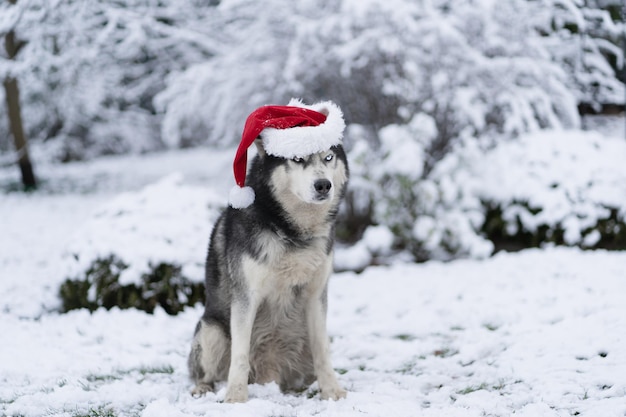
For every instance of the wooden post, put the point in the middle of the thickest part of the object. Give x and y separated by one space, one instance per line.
624 59
12 94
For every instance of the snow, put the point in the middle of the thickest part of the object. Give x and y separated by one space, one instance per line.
403 155
377 242
535 333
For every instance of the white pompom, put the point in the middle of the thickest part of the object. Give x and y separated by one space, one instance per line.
240 197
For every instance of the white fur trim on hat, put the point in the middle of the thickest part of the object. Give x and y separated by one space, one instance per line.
240 197
306 140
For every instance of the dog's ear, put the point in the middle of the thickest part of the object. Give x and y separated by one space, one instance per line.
259 147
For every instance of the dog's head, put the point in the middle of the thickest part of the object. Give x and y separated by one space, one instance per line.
317 179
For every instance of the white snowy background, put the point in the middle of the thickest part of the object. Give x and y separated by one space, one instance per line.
450 105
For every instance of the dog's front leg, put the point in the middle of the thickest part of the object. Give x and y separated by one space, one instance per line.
320 348
241 320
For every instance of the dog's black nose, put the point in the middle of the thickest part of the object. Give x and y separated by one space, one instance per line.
322 186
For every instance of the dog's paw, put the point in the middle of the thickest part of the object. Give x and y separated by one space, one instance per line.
201 389
334 393
236 393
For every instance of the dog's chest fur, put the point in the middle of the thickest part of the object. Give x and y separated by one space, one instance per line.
281 268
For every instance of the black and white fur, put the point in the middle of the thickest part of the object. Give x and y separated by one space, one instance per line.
267 275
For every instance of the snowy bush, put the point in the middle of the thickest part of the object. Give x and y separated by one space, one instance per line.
434 216
162 286
561 187
584 39
143 249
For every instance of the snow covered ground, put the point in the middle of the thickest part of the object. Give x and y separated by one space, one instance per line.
536 333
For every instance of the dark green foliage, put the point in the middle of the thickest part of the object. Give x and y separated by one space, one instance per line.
163 285
612 231
96 412
73 293
495 229
354 216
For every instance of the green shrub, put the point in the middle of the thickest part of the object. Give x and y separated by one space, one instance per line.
512 235
163 285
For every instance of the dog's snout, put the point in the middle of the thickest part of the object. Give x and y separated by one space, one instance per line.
322 186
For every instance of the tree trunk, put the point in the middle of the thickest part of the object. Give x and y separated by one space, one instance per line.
12 93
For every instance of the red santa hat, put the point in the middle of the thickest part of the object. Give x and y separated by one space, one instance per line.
291 131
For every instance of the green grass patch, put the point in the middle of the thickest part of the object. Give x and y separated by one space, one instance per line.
407 368
473 388
498 386
312 393
163 369
491 327
445 352
96 412
93 378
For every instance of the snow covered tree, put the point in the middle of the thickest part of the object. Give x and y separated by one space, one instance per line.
209 101
584 38
479 66
92 68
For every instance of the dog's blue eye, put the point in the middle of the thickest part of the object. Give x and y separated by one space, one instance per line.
329 158
298 160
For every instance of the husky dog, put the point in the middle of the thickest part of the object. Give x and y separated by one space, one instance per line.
267 275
